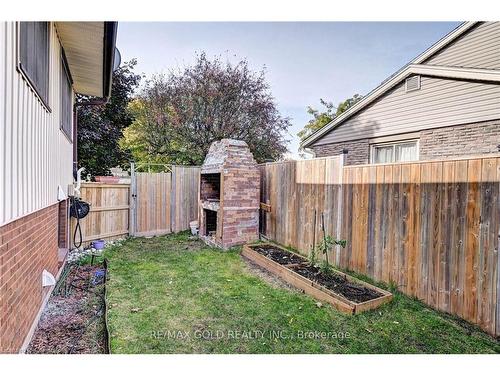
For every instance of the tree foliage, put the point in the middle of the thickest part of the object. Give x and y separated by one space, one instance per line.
100 127
178 116
321 118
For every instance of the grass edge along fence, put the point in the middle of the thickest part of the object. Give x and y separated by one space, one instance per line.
430 227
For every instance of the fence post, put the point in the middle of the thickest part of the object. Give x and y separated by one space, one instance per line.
173 192
132 202
340 200
497 328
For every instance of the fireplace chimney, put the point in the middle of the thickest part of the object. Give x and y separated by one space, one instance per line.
229 195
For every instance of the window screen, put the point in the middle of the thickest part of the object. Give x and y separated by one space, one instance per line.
66 99
34 56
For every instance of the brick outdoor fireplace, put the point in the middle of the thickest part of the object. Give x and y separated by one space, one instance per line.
229 195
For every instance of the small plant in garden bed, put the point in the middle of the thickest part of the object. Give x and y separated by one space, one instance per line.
326 245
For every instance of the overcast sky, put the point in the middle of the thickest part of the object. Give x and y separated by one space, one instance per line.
304 61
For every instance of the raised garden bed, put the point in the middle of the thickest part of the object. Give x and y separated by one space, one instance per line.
344 292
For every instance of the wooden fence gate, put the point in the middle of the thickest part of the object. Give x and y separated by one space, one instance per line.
163 202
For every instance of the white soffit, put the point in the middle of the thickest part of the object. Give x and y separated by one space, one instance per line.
83 45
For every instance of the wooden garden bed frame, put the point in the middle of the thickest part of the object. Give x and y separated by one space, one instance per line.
312 288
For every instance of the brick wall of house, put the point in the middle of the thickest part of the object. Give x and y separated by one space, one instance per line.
462 140
27 247
441 143
63 224
358 151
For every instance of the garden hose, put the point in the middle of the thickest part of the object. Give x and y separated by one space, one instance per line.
79 209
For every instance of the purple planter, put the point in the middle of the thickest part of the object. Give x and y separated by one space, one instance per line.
98 244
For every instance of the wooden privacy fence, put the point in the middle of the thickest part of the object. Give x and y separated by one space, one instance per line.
430 227
152 204
109 212
164 202
298 192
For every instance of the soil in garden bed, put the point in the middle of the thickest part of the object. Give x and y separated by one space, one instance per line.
338 284
278 255
73 321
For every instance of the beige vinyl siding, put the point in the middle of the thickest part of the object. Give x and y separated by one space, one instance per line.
478 48
439 103
35 156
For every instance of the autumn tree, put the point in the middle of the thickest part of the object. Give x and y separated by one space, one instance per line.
100 127
328 114
178 115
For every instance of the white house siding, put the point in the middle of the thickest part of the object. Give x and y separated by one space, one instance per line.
35 155
439 103
478 48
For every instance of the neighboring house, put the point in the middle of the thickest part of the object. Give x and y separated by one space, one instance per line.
445 103
42 66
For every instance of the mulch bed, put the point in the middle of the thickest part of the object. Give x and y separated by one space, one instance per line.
335 282
73 321
278 255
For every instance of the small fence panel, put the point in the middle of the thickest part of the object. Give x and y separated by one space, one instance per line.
152 206
164 202
300 194
185 195
109 212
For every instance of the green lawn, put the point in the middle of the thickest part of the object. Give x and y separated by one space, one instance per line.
174 295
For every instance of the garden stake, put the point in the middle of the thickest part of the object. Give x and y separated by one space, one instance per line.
314 236
324 235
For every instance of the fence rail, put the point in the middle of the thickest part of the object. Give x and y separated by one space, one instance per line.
431 227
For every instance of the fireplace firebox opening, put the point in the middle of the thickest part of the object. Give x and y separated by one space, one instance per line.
210 187
210 223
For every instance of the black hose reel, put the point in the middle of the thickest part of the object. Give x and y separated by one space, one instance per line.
78 209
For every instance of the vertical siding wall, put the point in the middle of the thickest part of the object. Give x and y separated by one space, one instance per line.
35 156
432 227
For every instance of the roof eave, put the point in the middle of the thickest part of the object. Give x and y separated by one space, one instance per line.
109 45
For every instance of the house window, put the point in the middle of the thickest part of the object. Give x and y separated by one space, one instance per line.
66 99
34 56
394 152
